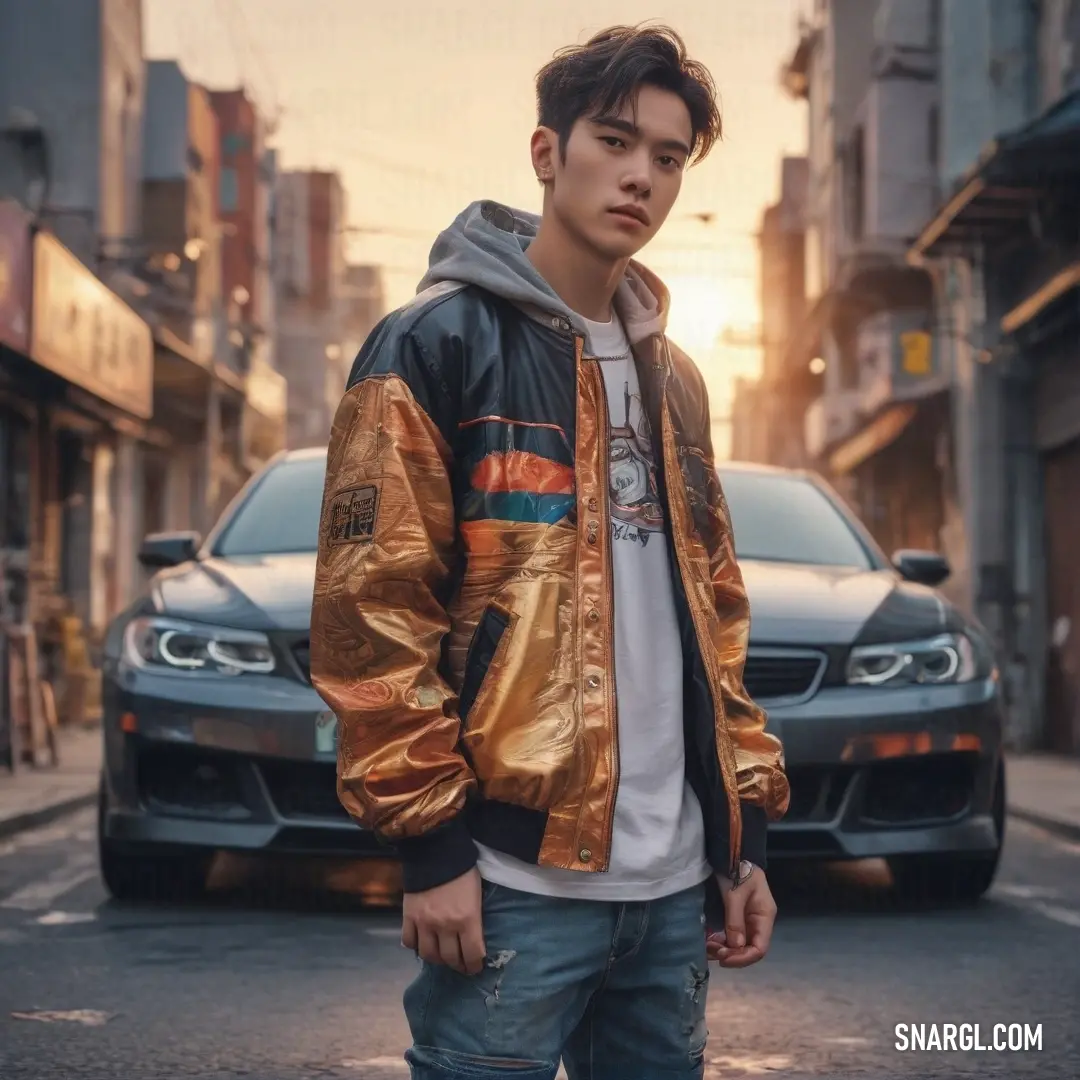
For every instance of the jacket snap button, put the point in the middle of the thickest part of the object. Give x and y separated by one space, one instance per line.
584 854
592 682
594 615
591 538
593 505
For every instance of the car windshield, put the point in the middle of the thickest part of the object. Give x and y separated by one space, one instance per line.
782 518
280 514
777 518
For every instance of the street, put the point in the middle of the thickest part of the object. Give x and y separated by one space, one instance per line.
282 974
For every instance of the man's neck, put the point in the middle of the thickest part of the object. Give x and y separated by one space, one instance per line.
583 280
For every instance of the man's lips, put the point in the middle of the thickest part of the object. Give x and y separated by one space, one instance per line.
633 213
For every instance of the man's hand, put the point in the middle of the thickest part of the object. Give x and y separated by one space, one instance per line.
443 925
749 913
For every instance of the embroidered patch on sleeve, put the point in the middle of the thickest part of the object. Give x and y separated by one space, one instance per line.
353 514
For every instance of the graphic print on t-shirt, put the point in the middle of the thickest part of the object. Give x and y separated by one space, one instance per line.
635 497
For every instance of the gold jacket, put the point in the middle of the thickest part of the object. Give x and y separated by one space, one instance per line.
462 621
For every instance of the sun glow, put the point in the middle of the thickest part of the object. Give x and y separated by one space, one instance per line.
699 312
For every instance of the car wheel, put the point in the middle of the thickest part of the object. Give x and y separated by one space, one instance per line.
952 879
134 874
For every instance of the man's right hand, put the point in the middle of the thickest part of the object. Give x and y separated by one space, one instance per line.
444 926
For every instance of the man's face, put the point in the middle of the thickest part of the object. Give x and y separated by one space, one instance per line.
622 173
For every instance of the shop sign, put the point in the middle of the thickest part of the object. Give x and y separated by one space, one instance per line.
86 334
14 277
898 359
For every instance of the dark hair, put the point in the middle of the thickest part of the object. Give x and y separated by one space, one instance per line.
598 78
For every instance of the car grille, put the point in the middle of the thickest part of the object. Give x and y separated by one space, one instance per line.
303 789
767 676
777 674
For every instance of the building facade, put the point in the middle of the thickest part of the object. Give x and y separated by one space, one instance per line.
312 303
246 205
1006 235
71 118
76 368
134 395
789 382
942 268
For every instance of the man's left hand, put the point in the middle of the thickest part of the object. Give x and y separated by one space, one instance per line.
749 914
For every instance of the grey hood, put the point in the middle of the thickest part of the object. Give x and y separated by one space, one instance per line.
485 246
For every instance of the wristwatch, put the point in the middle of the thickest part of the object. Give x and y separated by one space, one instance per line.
742 873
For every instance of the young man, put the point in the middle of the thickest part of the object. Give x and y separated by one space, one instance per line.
529 619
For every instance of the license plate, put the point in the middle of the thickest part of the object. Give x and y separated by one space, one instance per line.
326 733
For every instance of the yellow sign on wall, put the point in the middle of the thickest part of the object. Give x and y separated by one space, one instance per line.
916 357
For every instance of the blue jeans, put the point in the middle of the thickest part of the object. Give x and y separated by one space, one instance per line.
617 991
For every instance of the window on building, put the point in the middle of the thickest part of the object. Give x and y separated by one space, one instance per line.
229 196
233 143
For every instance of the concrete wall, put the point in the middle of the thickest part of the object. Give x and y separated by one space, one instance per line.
292 267
313 301
1059 50
50 73
123 98
900 113
838 78
165 144
988 84
326 214
237 202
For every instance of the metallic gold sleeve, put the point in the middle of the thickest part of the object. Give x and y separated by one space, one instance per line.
759 756
386 545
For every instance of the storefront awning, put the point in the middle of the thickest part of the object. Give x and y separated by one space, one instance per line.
883 430
1045 297
999 193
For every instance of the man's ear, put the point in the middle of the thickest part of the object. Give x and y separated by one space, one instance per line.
544 148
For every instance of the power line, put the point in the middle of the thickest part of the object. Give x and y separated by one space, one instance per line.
231 16
233 37
256 51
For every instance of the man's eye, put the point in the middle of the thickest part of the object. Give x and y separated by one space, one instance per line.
669 162
612 140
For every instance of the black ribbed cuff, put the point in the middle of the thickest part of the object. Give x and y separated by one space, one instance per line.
437 857
755 829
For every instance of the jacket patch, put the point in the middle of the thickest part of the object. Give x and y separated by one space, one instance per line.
353 514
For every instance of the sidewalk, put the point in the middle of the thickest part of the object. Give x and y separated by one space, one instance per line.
35 797
1044 789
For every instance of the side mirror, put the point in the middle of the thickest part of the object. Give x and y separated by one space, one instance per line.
922 567
159 550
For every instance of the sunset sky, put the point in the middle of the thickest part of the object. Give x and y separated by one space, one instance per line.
426 105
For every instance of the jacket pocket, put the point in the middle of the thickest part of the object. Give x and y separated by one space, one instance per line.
485 643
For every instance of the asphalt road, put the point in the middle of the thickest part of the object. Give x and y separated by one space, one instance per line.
283 975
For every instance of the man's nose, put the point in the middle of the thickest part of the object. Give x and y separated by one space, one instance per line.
637 178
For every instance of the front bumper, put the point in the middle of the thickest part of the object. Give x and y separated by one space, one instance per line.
236 764
243 764
888 772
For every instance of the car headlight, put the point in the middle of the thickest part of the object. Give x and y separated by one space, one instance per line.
946 659
173 645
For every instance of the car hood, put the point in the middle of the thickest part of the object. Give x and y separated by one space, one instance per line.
796 604
250 592
789 604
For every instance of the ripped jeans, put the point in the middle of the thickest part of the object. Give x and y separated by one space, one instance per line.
615 990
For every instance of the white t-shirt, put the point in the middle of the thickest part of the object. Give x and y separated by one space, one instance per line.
658 842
